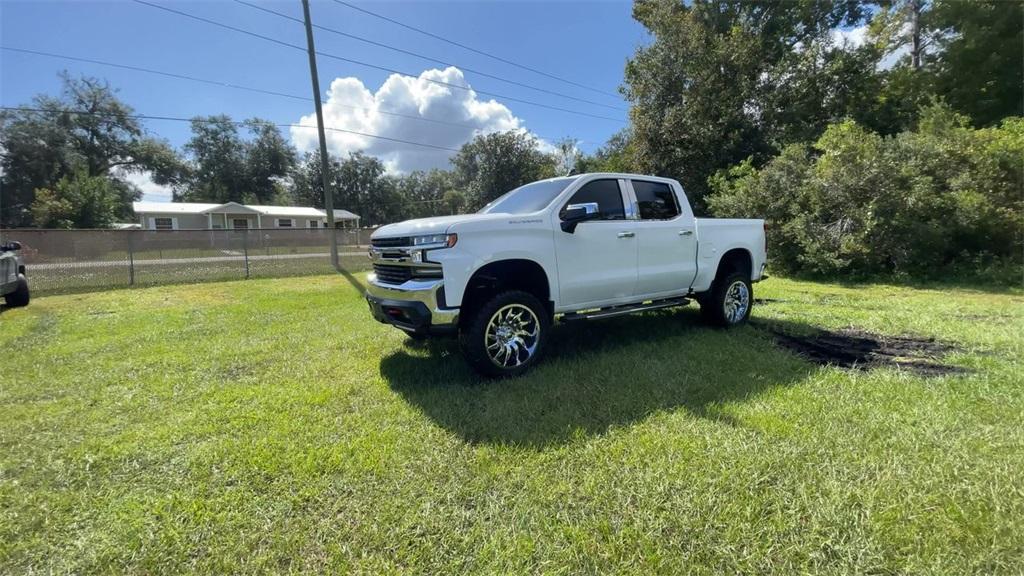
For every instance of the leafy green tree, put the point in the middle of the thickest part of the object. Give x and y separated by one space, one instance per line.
724 81
566 156
78 200
943 199
225 167
823 83
902 94
967 53
359 184
617 155
900 24
218 162
977 65
307 180
492 164
424 193
269 159
455 202
363 185
84 132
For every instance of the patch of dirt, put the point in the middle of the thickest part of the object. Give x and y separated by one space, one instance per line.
852 348
764 301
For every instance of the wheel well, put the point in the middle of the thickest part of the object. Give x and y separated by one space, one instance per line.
735 260
525 275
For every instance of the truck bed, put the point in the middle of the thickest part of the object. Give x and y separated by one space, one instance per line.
716 236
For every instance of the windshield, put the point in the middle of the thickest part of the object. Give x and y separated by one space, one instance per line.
528 198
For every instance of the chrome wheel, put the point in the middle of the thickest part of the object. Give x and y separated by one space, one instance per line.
737 301
512 336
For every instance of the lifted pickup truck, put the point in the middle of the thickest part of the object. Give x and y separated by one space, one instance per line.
579 247
13 284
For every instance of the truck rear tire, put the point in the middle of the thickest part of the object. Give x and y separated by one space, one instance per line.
729 301
506 335
20 296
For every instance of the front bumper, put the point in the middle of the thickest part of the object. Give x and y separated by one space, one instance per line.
414 306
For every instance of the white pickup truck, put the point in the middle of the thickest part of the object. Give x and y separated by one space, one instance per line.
579 247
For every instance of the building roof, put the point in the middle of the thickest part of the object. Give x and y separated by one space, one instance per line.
343 215
234 207
171 207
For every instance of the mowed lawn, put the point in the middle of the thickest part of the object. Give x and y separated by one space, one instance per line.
272 426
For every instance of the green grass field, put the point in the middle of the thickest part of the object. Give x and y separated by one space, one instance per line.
272 426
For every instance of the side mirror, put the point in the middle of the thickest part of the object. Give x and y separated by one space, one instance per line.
10 246
576 213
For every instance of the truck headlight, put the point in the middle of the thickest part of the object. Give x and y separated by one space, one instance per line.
437 240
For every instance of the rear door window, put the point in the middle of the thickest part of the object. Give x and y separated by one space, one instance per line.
655 200
605 193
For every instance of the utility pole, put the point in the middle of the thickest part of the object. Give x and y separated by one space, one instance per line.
324 161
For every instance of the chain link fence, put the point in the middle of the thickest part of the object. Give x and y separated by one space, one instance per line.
79 260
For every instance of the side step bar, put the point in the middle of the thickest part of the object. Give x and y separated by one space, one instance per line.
625 309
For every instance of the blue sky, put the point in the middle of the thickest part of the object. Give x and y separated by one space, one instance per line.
587 42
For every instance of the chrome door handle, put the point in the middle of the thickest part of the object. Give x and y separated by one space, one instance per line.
626 234
686 232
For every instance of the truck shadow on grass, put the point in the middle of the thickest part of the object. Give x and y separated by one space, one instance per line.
597 376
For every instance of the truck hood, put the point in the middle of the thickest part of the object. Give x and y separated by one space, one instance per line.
436 225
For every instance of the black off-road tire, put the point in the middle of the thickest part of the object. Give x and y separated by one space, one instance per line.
472 334
417 336
713 303
20 296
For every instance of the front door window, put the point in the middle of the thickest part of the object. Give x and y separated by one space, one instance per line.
604 193
597 263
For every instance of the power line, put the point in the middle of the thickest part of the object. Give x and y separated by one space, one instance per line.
223 84
157 72
213 121
475 50
374 66
430 58
227 85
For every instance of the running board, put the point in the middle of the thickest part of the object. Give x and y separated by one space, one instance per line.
626 309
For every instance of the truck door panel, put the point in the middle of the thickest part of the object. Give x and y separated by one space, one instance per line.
667 239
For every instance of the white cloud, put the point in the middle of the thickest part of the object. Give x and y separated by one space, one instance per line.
852 38
151 191
351 106
856 37
890 59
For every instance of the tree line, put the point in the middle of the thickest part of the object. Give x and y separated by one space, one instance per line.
67 161
877 137
902 155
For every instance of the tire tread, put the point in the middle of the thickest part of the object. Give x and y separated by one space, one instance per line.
21 295
471 334
711 305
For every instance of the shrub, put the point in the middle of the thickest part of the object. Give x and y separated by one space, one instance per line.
78 201
943 199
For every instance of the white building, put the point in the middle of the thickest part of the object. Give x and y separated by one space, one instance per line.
195 216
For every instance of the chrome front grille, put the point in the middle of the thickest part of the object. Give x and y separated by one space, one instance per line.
395 261
392 274
397 274
397 241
